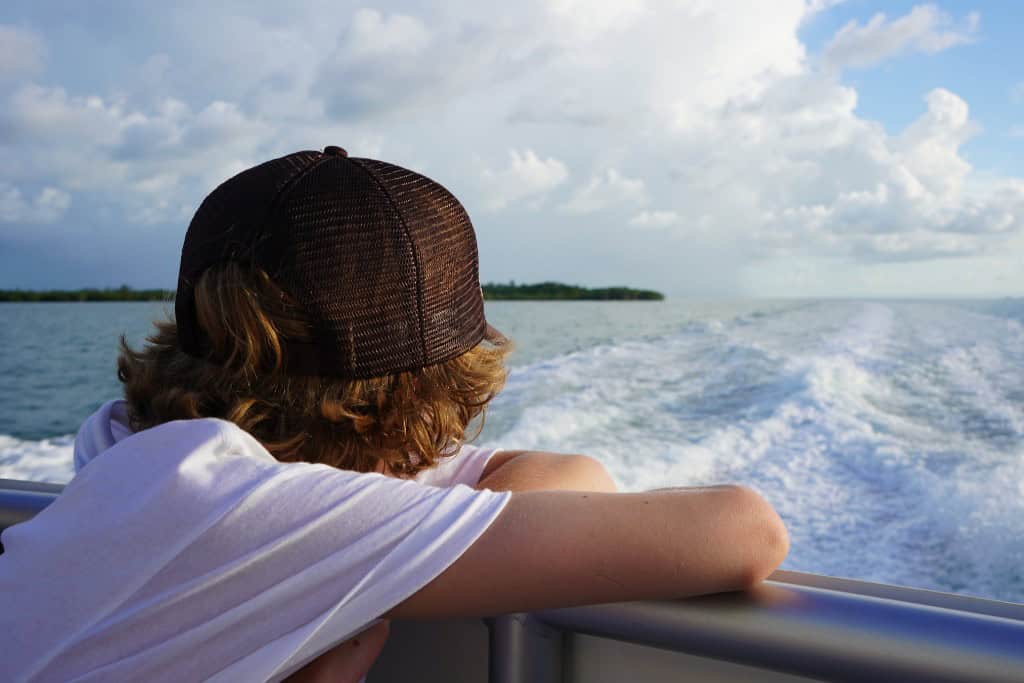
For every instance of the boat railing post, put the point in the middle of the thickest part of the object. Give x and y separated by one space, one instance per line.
523 649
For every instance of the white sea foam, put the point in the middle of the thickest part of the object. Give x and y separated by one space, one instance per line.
889 459
45 460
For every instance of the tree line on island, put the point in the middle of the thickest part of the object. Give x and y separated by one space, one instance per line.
557 291
122 293
543 291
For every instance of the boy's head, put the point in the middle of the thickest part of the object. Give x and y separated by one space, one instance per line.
330 306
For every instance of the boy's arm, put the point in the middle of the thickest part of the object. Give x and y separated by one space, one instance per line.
559 548
535 471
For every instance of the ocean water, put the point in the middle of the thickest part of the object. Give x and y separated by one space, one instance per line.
888 434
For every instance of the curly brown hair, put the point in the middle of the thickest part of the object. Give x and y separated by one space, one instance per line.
399 424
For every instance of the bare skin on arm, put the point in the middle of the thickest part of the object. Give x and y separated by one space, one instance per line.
538 471
558 548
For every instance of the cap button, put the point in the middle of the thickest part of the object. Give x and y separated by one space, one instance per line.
335 150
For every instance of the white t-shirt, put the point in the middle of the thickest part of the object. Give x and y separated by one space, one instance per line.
186 552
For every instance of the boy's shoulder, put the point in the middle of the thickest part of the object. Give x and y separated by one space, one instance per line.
187 462
169 444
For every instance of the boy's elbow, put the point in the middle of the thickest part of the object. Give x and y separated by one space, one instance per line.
767 538
590 474
776 547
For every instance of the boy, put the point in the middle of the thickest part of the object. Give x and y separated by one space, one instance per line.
287 469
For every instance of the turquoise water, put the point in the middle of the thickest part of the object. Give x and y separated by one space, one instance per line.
889 435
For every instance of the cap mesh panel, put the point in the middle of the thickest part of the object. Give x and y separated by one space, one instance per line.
383 260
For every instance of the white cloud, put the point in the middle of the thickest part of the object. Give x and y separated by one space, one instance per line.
151 162
924 29
223 123
899 198
22 53
388 63
43 114
930 146
380 62
575 108
751 153
587 20
659 65
609 189
527 175
395 36
655 219
818 6
49 205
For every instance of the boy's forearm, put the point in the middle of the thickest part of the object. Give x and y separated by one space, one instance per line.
534 471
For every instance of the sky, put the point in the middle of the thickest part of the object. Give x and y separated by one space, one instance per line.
703 148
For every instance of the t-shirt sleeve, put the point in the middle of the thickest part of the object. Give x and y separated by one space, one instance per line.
346 549
228 565
465 467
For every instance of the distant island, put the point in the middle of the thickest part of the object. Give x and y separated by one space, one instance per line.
543 291
122 293
556 291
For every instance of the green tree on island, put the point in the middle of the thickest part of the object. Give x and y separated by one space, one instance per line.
122 293
559 291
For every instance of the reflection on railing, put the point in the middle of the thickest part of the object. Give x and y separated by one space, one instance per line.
798 624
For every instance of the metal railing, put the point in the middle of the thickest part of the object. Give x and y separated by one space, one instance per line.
797 624
21 500
827 629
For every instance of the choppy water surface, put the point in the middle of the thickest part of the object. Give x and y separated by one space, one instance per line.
889 435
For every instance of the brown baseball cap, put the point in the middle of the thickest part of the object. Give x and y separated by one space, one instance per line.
382 261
